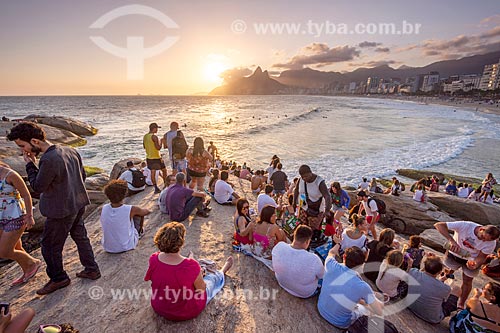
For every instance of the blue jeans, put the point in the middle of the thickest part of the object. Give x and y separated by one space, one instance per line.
191 204
215 283
53 238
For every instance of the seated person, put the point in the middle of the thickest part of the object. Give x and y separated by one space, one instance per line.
392 280
223 192
490 197
147 173
256 182
297 270
181 201
482 313
419 194
475 195
435 299
463 191
243 232
120 231
135 185
266 234
451 188
172 275
355 235
213 180
492 267
364 185
16 324
338 302
340 201
377 252
265 199
414 251
395 189
162 199
434 184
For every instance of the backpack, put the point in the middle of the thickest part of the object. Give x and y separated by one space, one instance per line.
138 178
376 325
179 148
380 205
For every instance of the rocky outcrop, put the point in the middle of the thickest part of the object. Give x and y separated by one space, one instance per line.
96 182
68 124
120 166
259 83
465 209
433 239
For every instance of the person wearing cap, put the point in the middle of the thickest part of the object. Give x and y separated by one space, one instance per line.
167 142
154 161
371 209
128 176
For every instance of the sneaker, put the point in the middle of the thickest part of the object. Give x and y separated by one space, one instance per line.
202 213
157 189
50 287
93 275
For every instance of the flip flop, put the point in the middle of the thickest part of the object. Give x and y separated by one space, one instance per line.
18 281
33 272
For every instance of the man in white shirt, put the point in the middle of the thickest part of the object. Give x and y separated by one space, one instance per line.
364 185
470 245
463 191
297 270
265 199
224 193
128 176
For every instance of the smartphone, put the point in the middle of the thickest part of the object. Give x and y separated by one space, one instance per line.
6 307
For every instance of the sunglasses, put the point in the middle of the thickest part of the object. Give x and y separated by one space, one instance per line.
49 329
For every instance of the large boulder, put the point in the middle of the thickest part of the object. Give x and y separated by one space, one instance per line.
465 209
416 215
96 182
433 239
75 126
120 166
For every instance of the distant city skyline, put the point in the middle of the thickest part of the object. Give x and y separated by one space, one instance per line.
46 47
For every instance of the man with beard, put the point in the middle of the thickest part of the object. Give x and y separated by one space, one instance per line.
59 178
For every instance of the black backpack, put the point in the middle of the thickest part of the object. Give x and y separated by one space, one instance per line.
138 178
179 148
380 205
377 325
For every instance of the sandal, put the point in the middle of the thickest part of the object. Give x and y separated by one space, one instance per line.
33 272
18 281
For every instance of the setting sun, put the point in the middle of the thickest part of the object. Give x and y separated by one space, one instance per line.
213 70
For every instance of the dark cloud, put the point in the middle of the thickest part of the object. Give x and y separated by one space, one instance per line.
369 44
382 49
431 53
320 55
232 74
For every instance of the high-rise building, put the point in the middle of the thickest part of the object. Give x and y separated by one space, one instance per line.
491 77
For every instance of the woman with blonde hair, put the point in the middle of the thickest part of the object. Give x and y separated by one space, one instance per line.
391 278
16 215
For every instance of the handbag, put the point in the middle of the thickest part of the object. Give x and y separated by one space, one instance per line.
312 206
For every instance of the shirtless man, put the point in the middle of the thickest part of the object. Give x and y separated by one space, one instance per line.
256 182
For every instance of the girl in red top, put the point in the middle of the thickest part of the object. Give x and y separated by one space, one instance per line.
179 289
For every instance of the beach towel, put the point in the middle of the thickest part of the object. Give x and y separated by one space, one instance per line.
247 250
322 251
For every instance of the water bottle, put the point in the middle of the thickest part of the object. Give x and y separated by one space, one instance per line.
462 253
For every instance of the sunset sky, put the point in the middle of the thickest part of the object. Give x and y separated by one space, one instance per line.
46 47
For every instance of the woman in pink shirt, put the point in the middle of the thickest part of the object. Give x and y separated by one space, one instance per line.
179 289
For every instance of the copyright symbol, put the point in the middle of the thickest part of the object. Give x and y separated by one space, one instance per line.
96 293
238 26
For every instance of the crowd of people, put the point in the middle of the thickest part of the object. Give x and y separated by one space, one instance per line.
312 211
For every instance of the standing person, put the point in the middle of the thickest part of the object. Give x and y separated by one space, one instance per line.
313 188
369 205
179 148
199 161
59 177
279 180
167 141
154 161
487 186
212 150
16 215
469 247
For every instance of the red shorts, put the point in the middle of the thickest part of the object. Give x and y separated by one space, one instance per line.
369 219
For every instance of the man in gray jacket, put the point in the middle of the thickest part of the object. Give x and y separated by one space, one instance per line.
59 178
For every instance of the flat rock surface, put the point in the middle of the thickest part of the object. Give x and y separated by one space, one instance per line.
245 305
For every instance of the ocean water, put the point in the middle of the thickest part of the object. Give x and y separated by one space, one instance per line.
341 138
